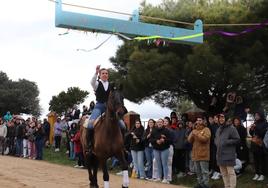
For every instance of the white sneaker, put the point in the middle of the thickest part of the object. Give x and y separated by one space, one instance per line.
255 177
76 166
217 176
6 151
180 175
165 181
213 176
119 173
157 179
261 178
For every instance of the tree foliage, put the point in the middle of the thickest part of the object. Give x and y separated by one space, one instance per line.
219 65
65 100
18 96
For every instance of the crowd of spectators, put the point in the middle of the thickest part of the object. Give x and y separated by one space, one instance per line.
212 147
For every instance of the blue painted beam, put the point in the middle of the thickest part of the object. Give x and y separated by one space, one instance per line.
134 28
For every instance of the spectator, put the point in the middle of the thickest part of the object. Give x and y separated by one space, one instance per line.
57 134
257 131
161 141
3 134
8 116
188 147
39 140
149 148
19 134
200 138
174 122
91 107
46 126
31 140
11 132
25 139
65 129
226 140
137 148
72 131
242 150
179 151
174 116
167 125
78 149
76 114
213 125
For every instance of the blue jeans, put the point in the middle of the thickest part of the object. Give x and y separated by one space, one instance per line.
72 154
39 148
115 162
149 161
202 172
138 161
97 111
161 157
19 147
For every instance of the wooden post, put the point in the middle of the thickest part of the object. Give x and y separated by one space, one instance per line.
52 117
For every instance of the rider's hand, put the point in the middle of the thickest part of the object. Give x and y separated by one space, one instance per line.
97 69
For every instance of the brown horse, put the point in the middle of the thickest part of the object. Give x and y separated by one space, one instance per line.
108 141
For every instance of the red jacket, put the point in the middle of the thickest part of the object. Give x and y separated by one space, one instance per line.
77 143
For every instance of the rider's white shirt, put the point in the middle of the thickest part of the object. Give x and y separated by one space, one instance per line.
95 83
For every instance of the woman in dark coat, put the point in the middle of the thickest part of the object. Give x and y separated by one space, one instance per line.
161 140
137 148
242 148
149 147
257 131
226 140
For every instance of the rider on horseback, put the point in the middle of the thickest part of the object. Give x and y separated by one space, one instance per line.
102 89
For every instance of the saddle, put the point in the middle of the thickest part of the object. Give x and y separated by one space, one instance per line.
86 122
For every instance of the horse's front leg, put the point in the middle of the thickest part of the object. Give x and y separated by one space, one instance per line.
95 172
105 176
90 175
92 167
124 166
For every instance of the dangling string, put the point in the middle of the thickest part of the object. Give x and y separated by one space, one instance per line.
97 46
65 33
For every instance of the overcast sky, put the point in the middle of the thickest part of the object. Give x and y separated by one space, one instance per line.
32 48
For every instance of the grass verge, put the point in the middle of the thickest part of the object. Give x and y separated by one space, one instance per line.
244 181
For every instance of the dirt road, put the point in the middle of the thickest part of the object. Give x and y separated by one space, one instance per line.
25 173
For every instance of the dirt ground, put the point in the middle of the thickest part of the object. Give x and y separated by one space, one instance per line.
25 173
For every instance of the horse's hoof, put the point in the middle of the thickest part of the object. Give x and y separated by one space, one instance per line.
93 186
124 186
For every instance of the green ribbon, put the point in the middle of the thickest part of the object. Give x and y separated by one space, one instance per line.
174 38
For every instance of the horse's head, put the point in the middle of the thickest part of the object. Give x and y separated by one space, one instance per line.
116 101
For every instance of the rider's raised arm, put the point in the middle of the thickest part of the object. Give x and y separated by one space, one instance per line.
94 82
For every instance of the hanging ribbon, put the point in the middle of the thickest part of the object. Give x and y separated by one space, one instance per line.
234 34
208 33
175 38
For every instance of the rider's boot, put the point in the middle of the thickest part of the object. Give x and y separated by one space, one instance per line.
90 138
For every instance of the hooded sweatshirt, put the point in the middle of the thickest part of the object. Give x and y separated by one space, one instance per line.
3 130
